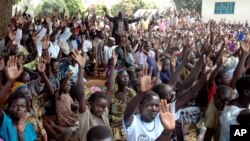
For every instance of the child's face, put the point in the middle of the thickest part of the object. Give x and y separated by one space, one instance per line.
67 87
18 107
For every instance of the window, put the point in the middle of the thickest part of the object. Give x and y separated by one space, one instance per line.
224 8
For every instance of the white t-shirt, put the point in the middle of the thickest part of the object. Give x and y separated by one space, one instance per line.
54 49
108 52
141 131
87 46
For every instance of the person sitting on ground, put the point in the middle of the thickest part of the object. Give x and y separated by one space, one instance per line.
99 133
223 95
13 127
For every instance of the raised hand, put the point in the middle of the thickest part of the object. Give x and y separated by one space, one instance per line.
105 9
113 58
146 81
46 56
245 46
167 118
69 74
185 42
159 65
41 65
81 60
13 69
2 64
21 59
22 122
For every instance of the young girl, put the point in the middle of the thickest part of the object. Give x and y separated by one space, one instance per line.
13 127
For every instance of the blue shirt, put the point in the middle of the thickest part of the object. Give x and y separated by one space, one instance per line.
152 63
165 76
8 132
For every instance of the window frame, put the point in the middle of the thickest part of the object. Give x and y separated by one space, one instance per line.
224 8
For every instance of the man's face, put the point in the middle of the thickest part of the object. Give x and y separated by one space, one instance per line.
120 16
150 108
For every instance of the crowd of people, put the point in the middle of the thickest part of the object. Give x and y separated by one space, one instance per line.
163 72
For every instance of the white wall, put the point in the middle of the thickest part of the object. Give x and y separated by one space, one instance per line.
241 11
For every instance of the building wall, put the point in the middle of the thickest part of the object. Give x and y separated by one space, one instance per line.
241 11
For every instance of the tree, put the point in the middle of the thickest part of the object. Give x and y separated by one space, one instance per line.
98 8
5 16
131 6
189 4
47 7
74 6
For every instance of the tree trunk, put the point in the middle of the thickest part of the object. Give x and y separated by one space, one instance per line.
5 15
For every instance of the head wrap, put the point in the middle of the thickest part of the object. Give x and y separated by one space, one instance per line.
18 86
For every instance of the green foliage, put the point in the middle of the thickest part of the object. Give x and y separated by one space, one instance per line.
47 7
74 6
98 8
14 1
131 6
189 4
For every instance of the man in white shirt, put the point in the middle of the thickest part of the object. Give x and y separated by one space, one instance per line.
108 49
87 45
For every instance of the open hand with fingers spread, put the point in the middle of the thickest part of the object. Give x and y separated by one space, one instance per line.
146 80
81 60
41 65
167 118
14 69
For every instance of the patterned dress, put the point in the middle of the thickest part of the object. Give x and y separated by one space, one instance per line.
117 109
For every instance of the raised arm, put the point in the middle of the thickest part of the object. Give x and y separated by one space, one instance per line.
193 75
41 66
191 93
167 120
14 70
146 84
111 79
107 15
134 20
245 51
81 60
174 78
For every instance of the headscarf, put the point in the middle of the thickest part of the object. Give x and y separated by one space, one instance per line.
18 86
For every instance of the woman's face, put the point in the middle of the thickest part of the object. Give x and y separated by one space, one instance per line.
123 78
150 108
98 106
18 108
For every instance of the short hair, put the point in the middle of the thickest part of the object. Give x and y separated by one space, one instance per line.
97 95
243 117
219 76
242 84
98 133
223 91
53 60
16 95
159 90
247 71
148 95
